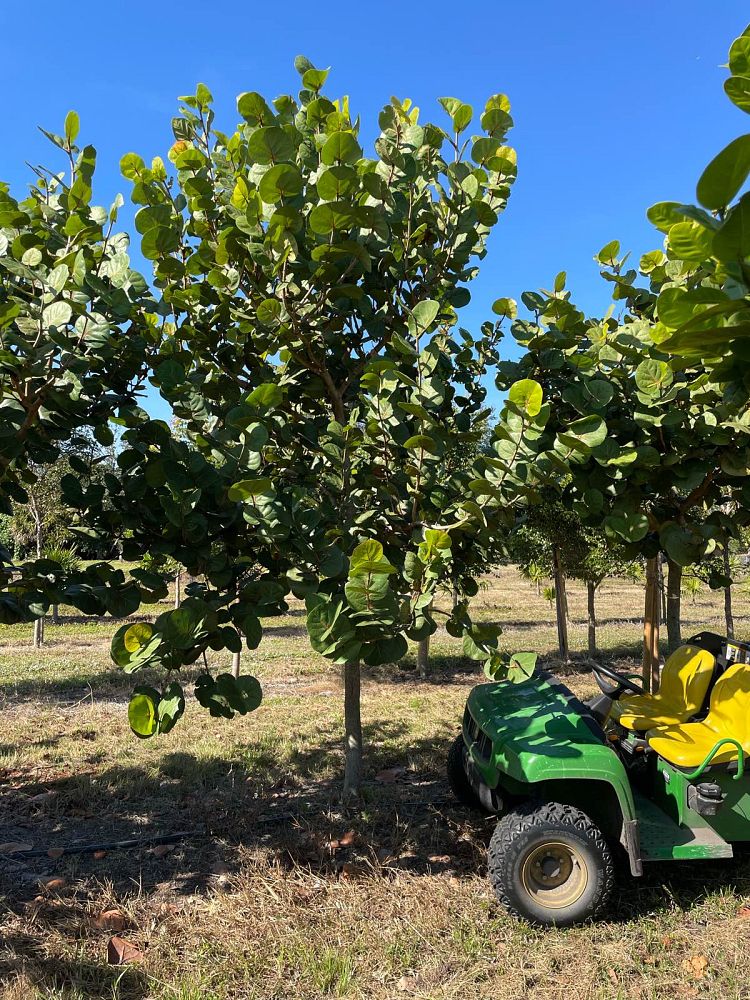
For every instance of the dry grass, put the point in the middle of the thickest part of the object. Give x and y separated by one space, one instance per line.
262 900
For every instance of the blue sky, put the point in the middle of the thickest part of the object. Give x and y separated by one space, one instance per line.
616 106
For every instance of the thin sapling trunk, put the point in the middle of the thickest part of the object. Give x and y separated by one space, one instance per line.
352 731
650 664
591 601
728 614
561 607
423 656
674 592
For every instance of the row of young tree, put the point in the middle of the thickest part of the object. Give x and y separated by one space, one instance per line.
551 543
302 321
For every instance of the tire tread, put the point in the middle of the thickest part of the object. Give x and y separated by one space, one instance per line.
530 814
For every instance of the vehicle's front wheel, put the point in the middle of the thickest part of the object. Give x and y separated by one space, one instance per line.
550 864
457 776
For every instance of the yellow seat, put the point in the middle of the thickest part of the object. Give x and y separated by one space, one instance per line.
684 683
688 744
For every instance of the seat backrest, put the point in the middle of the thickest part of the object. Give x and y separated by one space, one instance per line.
729 714
685 678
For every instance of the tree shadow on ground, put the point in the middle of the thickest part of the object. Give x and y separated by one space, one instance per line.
110 684
268 810
25 957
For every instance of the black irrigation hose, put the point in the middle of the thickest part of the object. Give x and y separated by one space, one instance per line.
115 845
174 838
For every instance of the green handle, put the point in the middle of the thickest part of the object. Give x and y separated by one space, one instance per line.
712 753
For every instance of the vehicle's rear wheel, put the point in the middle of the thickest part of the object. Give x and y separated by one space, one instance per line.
457 776
550 864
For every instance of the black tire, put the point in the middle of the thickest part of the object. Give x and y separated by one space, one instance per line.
457 776
526 845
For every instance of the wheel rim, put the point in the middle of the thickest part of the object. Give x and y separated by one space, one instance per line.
554 874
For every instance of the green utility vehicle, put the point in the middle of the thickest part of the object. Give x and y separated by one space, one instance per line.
652 777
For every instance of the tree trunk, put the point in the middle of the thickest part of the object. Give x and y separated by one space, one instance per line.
352 731
650 663
423 656
236 664
178 588
55 614
561 607
674 590
39 526
456 597
728 616
662 591
591 597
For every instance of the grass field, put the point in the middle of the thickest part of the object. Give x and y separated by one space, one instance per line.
273 891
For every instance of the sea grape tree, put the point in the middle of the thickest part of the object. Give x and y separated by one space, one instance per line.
309 299
705 319
77 325
649 441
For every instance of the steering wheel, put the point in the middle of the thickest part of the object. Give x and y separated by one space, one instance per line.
621 681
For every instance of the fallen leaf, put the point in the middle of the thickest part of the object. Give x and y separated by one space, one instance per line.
389 775
15 847
352 871
612 976
667 941
348 839
98 855
55 852
744 913
55 884
161 850
440 859
110 920
696 966
121 951
406 984
41 797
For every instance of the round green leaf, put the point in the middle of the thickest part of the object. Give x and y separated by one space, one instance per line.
270 144
690 241
32 257
159 242
653 376
341 147
589 431
142 712
332 217
737 89
170 707
681 544
268 311
725 174
424 314
253 108
256 437
281 181
527 395
248 488
313 79
664 215
739 56
337 182
72 127
57 314
630 525
507 308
